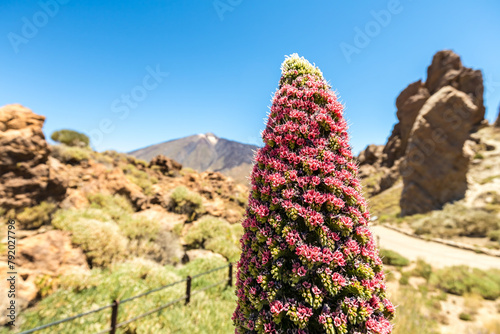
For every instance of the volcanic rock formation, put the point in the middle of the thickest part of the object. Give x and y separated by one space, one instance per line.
426 146
26 177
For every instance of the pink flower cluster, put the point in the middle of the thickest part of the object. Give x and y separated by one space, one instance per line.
308 259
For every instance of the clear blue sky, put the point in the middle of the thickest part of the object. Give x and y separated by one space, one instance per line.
77 63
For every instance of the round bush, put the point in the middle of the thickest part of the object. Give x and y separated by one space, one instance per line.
70 138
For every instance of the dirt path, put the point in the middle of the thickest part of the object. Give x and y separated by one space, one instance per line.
438 255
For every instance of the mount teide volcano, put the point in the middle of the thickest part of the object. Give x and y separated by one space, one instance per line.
205 152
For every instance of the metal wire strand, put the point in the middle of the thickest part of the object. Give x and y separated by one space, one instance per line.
210 271
151 291
126 322
66 320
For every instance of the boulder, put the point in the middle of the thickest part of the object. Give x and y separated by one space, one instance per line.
49 253
434 168
25 177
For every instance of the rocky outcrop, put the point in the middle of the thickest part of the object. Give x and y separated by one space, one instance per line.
47 255
222 196
446 70
370 155
435 167
165 165
115 182
25 176
448 106
408 103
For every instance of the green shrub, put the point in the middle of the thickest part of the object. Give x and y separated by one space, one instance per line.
140 162
72 155
101 241
117 157
45 284
422 269
148 240
187 171
389 276
102 159
139 228
478 156
216 235
393 258
115 206
143 237
34 217
184 201
465 316
494 235
63 217
177 229
460 280
140 178
166 248
81 292
70 138
457 220
242 199
405 278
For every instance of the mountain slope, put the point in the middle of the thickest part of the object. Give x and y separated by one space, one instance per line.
205 152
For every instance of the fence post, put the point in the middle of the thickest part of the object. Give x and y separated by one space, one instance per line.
230 275
188 290
114 316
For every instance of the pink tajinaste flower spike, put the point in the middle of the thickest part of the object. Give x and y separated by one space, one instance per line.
308 259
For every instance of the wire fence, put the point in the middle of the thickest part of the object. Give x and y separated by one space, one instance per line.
114 306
